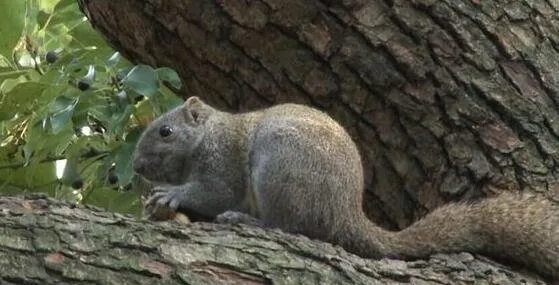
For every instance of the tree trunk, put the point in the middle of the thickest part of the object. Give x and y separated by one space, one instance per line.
44 241
447 100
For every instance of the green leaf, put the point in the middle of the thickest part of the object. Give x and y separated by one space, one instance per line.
62 109
20 98
113 200
70 172
169 75
123 161
11 74
12 24
8 84
9 190
123 158
64 5
47 6
62 103
42 144
42 18
65 13
169 100
143 80
127 202
27 152
85 36
118 121
90 76
113 60
40 177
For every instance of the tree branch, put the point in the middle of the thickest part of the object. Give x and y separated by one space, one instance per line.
45 241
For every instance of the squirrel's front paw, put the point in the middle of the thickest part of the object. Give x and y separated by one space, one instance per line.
165 197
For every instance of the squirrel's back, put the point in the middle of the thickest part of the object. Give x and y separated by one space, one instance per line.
306 171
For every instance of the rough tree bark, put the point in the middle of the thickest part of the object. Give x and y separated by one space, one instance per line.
448 100
44 241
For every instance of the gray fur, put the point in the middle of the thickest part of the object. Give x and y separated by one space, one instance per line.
294 168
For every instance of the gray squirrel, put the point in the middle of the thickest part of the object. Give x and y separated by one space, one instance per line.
293 167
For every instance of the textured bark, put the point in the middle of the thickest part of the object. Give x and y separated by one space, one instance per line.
44 241
447 99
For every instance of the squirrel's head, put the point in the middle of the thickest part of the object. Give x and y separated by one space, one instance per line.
166 146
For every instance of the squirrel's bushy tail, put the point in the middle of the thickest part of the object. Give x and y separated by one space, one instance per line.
522 228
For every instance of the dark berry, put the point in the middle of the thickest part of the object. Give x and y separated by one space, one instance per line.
77 184
139 98
51 57
83 85
113 179
99 129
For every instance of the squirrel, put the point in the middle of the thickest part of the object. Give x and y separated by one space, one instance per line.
295 168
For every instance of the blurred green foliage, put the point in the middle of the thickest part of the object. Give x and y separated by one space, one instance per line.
66 98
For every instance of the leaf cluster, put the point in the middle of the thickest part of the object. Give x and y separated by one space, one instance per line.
71 109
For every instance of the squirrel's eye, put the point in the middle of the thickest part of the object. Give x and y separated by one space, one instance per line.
165 131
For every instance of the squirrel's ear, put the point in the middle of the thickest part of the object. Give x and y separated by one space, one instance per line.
196 110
